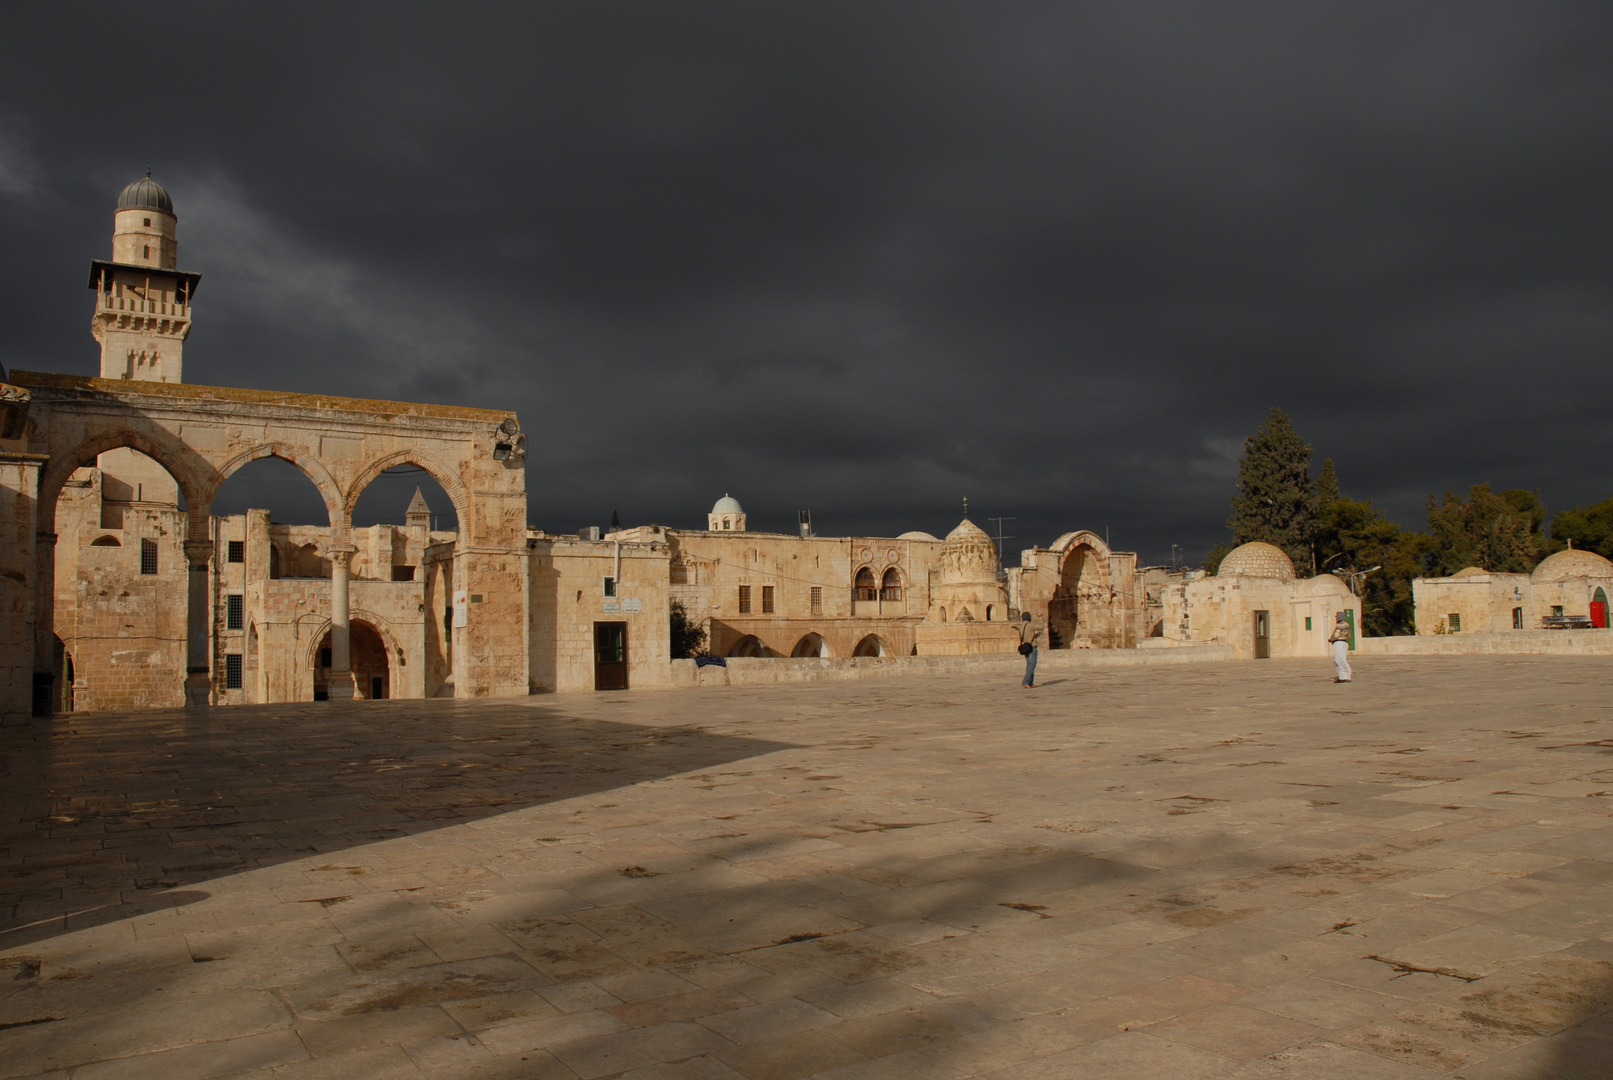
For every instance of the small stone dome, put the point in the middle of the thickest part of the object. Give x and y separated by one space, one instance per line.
1471 571
1257 559
727 505
917 535
146 194
1573 563
968 555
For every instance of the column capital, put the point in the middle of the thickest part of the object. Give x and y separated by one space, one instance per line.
340 553
198 552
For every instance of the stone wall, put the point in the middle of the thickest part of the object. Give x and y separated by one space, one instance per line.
1498 643
19 486
744 671
567 597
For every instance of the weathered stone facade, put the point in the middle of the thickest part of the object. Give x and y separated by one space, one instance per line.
120 589
1257 605
1570 585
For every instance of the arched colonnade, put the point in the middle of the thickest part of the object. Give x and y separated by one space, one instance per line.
203 435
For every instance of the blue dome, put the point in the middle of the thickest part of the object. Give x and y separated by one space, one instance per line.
727 505
146 194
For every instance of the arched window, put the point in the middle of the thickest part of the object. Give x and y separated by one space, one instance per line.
864 587
106 541
891 587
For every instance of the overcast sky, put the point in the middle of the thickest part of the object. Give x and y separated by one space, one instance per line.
866 258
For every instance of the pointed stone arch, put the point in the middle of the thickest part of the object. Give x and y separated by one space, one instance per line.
309 465
451 484
181 462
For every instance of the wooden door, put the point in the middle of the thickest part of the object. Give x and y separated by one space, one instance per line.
610 656
1262 635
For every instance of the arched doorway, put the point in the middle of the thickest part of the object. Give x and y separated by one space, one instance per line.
368 661
749 645
1072 611
811 645
872 645
1599 609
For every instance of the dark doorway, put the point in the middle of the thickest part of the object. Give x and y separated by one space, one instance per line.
377 687
1262 635
610 656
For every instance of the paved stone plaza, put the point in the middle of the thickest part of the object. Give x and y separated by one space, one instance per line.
1204 871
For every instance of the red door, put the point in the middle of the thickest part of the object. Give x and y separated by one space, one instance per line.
1599 614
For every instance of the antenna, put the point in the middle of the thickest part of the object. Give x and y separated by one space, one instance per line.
1000 539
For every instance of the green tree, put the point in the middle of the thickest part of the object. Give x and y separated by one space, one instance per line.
688 637
1589 527
1276 501
1353 536
1500 533
1213 557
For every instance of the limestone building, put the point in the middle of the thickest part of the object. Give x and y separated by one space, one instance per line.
1570 588
1257 604
119 588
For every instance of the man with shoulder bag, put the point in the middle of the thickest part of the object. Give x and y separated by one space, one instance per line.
1027 648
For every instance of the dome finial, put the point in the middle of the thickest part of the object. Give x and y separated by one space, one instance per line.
966 507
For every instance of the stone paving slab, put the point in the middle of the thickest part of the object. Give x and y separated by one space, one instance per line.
1222 871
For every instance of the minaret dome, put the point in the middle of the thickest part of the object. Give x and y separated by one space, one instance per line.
143 230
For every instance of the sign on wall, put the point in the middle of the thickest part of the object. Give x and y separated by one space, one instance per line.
461 607
632 605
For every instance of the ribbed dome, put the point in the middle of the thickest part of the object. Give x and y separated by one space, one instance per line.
727 505
1573 563
145 194
1257 559
968 555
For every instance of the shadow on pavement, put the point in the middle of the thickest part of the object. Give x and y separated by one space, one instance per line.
106 815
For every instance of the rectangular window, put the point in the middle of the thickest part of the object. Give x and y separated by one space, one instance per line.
1307 622
767 599
1557 609
1456 622
817 599
148 556
232 671
610 586
234 612
744 599
1517 618
237 551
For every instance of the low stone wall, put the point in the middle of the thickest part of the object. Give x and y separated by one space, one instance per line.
1498 643
758 671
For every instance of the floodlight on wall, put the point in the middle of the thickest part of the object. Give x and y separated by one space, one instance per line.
509 442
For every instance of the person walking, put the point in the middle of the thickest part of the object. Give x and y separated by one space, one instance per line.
1340 640
1027 647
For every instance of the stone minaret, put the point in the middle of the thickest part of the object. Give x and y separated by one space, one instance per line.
142 300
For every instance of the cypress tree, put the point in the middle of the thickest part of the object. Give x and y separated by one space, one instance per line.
1276 501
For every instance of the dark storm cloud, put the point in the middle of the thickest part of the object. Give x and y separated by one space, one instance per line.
868 258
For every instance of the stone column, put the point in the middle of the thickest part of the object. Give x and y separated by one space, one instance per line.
198 677
341 657
44 626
